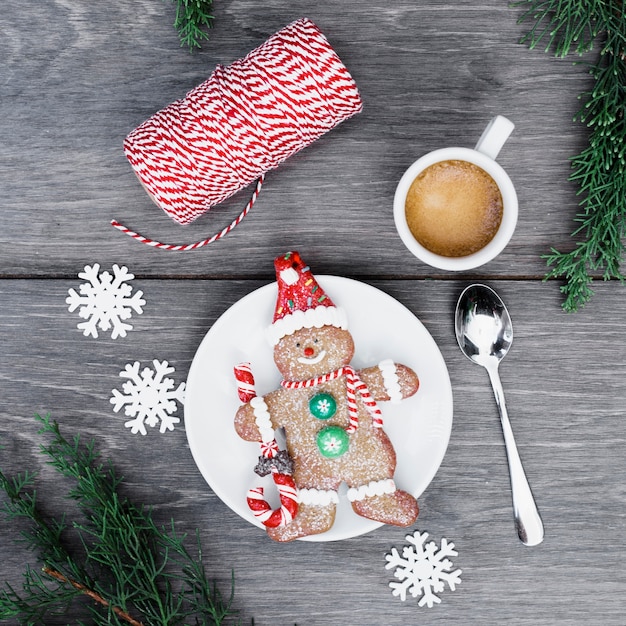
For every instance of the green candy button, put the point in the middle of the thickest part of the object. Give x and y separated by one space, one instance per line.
322 406
333 441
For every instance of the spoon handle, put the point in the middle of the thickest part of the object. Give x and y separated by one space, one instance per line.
527 520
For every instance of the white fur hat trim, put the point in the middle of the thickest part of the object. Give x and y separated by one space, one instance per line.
311 318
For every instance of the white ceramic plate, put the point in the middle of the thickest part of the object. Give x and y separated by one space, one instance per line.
419 427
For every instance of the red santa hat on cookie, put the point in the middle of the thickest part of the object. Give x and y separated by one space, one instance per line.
301 302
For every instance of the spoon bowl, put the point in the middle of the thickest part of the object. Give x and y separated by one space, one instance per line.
484 332
482 324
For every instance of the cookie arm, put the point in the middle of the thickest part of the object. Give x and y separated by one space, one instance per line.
245 424
253 422
390 381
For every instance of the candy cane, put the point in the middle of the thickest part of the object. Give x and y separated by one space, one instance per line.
288 502
245 382
287 490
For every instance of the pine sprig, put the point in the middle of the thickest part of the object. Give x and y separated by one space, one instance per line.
570 26
576 26
193 18
135 572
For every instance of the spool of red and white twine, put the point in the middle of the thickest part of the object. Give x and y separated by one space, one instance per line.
245 120
287 490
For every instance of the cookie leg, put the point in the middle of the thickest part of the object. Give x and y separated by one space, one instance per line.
382 502
311 519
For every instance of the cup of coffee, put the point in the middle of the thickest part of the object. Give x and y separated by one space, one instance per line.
456 208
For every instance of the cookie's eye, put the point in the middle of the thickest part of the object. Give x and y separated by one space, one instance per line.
297 344
315 340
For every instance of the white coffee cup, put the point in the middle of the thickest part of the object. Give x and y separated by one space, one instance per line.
483 155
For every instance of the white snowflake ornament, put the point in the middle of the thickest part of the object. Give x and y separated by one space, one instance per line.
149 397
423 569
105 301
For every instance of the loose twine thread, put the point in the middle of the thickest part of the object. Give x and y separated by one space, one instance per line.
243 121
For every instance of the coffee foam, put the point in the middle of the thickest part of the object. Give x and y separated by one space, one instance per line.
454 208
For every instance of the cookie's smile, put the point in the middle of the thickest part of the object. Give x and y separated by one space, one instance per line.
313 360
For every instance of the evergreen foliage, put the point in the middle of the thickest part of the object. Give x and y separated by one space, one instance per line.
193 18
130 570
576 27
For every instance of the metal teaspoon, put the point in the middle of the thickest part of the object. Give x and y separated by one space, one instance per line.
485 332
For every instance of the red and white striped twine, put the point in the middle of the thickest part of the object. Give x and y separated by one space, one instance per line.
198 244
245 120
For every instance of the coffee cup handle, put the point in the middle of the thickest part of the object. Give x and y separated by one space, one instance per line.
494 136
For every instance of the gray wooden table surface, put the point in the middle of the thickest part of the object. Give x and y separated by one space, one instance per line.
77 76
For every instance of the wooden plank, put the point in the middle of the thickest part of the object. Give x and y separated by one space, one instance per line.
77 78
564 381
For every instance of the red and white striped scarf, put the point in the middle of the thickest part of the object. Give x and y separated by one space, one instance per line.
354 384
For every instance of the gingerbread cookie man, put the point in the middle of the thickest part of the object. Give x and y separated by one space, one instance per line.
329 412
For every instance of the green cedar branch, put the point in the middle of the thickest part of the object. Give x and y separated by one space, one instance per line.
136 572
576 26
88 592
193 18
